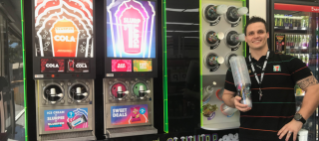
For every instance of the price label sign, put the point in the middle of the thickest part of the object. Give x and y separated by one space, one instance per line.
142 65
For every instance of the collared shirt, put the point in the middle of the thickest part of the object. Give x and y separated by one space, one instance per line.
277 106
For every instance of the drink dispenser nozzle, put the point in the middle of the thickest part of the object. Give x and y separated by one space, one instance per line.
234 13
213 11
242 11
234 38
237 12
54 94
213 37
220 9
52 91
143 92
237 37
121 93
79 93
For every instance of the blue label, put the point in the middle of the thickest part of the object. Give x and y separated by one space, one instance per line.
71 114
142 111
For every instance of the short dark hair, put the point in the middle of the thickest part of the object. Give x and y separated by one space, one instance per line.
255 20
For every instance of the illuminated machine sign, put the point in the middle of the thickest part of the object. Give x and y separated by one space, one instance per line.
129 114
78 66
64 28
52 65
130 29
121 65
142 65
66 119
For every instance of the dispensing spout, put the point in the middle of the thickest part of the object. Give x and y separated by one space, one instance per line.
121 93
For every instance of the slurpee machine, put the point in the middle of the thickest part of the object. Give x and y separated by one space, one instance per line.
130 66
64 69
221 37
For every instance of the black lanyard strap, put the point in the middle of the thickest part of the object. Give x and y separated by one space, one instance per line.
262 73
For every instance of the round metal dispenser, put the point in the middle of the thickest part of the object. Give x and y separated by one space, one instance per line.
78 92
213 38
212 12
53 93
233 14
233 39
119 91
140 90
213 61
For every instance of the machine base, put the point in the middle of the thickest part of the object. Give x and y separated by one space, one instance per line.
130 131
73 136
221 126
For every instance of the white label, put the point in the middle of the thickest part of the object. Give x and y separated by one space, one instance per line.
64 30
64 38
110 75
81 65
286 27
50 65
38 76
295 28
121 66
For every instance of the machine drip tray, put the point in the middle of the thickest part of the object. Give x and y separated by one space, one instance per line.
69 136
131 131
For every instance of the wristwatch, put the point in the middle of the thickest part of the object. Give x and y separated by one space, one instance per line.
298 117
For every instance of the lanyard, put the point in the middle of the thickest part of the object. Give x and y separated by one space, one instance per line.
262 73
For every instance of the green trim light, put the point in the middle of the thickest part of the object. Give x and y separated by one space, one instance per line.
165 80
24 73
201 66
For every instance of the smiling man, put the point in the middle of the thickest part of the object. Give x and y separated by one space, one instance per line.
273 116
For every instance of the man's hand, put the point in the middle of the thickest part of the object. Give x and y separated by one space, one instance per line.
240 106
293 127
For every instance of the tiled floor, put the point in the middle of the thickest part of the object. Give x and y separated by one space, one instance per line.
20 123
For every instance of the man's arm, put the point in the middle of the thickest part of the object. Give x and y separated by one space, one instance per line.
234 101
228 98
311 99
309 105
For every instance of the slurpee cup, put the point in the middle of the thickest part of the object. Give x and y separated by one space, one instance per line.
241 79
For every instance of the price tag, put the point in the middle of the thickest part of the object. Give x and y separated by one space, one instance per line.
286 27
295 28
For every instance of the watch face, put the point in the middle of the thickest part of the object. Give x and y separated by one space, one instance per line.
297 117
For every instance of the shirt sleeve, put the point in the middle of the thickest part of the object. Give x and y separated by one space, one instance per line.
229 82
298 70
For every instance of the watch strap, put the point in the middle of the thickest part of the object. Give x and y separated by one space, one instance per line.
303 120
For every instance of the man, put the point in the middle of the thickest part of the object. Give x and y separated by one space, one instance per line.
273 115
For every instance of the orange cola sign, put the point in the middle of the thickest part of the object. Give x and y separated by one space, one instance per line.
65 36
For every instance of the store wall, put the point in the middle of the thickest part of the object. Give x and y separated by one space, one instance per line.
258 8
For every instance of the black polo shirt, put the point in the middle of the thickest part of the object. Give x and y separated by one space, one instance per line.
277 106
